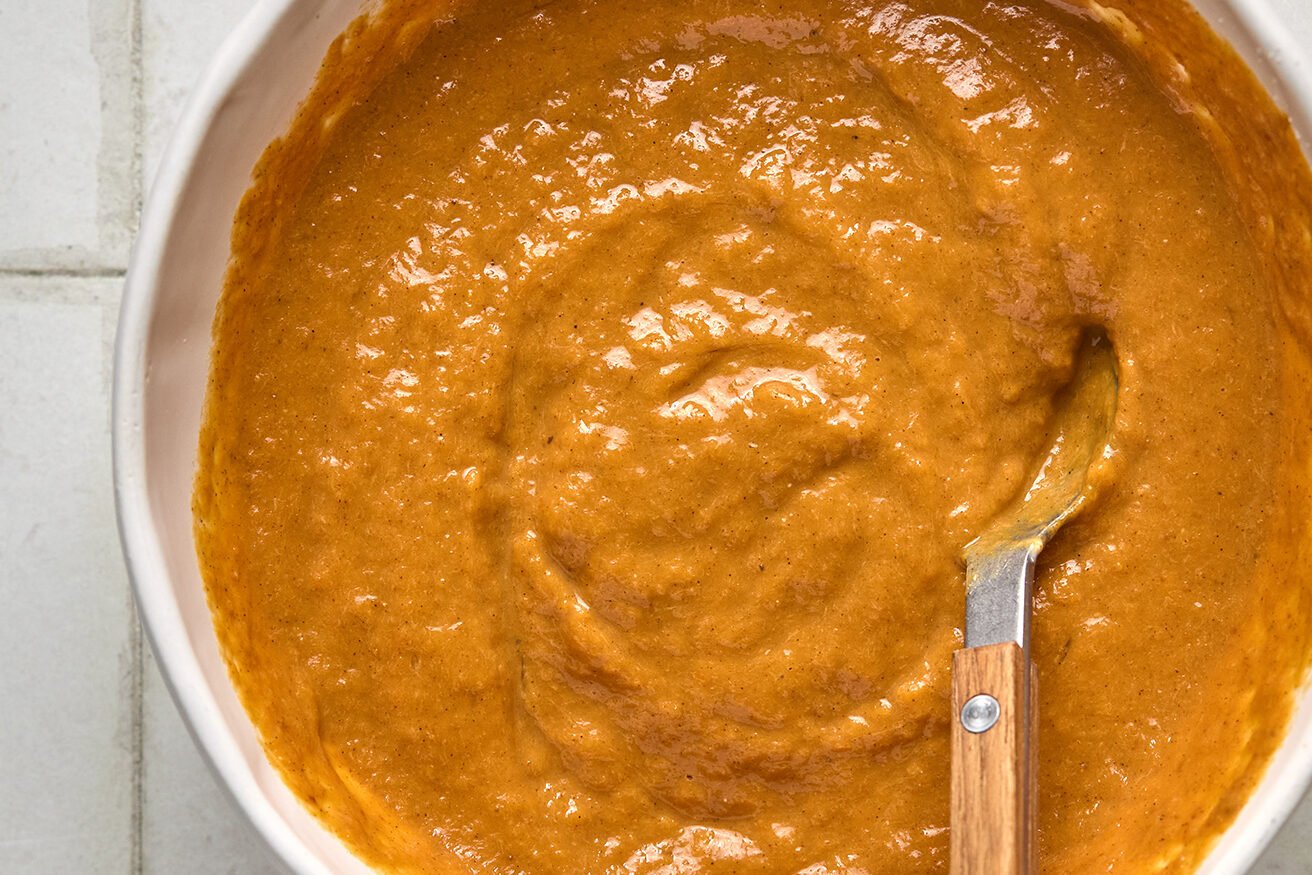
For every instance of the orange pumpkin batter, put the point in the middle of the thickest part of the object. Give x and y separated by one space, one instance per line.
604 391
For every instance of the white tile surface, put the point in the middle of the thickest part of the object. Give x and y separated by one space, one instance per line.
189 825
108 779
1291 852
67 653
178 39
68 175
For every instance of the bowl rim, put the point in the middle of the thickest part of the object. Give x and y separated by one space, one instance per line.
142 544
140 538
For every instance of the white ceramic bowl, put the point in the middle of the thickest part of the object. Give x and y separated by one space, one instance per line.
245 100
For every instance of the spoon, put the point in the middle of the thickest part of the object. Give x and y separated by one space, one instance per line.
994 698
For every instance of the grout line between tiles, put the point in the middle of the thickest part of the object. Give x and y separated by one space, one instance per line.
63 272
137 686
136 70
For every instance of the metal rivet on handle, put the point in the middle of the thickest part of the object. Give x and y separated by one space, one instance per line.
980 713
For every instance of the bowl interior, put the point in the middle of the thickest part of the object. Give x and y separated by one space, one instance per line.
246 100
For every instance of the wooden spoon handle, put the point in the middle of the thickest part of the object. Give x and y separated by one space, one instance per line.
994 770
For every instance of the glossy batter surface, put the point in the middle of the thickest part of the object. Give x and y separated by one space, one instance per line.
594 435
